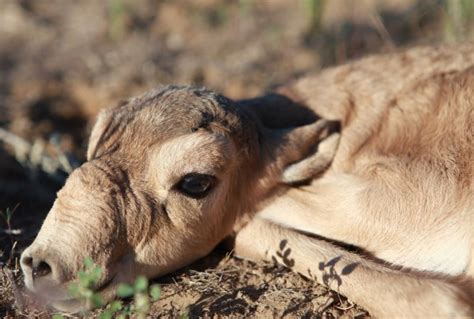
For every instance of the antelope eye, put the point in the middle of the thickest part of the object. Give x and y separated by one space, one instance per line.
196 185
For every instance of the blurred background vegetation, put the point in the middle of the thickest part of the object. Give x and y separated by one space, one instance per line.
62 61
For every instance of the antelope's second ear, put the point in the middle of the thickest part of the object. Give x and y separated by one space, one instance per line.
300 153
314 164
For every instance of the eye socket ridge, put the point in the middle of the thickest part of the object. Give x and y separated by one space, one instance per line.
196 185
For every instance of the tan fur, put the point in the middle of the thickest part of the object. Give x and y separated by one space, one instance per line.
394 179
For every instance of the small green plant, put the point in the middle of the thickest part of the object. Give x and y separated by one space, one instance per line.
117 19
314 10
143 294
9 231
458 19
87 279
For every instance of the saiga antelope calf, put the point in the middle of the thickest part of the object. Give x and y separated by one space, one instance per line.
364 168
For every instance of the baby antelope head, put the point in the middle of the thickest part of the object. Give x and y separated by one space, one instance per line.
168 176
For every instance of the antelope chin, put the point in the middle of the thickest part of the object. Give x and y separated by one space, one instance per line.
69 305
59 299
74 305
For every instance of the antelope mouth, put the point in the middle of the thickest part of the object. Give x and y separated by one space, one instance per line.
99 289
73 305
106 284
67 303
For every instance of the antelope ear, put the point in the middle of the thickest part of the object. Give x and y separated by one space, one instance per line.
97 134
103 126
314 164
301 153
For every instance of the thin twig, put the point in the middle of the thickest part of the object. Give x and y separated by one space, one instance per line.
329 302
377 22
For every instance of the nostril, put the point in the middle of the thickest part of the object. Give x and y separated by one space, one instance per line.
27 261
41 269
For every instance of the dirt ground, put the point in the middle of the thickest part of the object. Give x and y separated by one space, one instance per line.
63 61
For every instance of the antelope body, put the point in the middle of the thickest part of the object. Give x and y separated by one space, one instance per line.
365 169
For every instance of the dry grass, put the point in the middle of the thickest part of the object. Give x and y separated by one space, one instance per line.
235 287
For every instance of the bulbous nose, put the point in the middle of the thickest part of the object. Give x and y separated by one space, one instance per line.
36 266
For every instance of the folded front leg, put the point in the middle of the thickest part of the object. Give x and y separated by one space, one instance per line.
384 292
